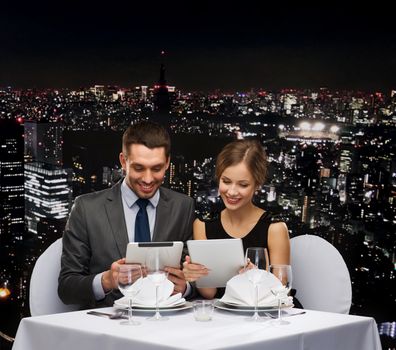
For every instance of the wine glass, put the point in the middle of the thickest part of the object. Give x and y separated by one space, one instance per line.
129 283
256 263
157 275
284 274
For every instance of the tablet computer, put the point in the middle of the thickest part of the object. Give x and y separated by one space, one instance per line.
169 253
223 257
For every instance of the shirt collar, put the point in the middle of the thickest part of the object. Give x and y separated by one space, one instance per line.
130 197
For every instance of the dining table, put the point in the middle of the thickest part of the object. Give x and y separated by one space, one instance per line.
226 330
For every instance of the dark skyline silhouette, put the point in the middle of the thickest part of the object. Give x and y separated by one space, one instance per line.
208 46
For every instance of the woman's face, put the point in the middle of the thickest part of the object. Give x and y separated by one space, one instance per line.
236 186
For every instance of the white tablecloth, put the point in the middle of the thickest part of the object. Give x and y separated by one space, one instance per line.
313 330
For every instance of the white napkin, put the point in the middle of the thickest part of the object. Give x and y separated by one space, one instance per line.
240 291
146 295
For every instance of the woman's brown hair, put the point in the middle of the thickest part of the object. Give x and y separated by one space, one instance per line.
248 151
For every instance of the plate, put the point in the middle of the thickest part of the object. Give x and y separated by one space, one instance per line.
239 308
139 308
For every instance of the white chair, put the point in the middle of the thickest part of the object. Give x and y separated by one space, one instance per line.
43 295
320 275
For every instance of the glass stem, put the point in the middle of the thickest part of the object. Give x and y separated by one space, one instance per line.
130 310
157 314
256 289
279 310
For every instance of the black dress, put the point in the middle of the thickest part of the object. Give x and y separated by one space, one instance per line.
257 237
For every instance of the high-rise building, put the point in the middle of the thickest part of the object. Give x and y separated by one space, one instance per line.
308 211
48 194
43 142
162 102
12 209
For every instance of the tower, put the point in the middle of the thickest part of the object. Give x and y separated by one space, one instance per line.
48 194
162 104
43 142
12 209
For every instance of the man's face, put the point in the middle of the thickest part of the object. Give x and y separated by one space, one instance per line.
145 169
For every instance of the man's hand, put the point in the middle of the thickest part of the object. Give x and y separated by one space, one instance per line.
110 277
176 276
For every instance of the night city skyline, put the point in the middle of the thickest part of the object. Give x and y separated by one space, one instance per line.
316 86
332 168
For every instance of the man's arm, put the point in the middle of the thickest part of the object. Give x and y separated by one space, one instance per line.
75 279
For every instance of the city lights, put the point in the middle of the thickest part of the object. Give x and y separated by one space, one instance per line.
331 165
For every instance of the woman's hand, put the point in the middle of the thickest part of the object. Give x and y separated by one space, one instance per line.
192 271
248 266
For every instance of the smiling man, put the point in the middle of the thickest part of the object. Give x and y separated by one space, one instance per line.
137 209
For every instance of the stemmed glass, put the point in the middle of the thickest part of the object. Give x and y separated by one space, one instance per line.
284 274
157 275
256 264
129 283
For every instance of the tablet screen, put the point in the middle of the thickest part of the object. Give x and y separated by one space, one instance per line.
223 257
169 253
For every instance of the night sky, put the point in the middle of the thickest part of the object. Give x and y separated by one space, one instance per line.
209 45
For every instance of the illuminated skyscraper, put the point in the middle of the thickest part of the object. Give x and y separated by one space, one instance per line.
308 211
43 142
48 194
12 208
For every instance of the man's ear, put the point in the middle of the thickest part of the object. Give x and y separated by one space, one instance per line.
123 161
167 163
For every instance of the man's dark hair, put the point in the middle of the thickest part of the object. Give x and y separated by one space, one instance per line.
147 133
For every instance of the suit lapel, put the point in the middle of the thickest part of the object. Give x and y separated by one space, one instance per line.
115 216
161 218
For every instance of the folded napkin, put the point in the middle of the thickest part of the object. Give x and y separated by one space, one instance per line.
146 295
240 291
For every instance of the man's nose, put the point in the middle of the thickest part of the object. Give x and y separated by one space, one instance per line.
148 177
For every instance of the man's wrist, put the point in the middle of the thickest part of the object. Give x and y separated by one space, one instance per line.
106 283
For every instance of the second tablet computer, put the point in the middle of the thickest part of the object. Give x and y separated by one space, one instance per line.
169 253
223 257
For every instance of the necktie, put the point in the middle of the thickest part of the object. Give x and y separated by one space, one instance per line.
142 227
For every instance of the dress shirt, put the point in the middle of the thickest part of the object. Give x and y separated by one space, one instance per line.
131 209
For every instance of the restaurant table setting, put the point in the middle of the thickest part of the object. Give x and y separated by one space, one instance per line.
145 298
201 324
312 330
239 292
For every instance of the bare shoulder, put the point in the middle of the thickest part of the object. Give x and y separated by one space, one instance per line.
278 230
199 231
279 243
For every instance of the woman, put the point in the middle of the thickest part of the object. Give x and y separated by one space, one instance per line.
241 169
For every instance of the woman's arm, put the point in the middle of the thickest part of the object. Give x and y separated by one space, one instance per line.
279 244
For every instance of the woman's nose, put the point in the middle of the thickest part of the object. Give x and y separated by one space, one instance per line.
232 190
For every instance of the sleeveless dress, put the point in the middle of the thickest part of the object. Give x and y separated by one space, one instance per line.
257 237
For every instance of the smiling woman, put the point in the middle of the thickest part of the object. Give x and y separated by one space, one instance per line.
241 169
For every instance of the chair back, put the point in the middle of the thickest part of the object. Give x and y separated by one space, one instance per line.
320 275
43 295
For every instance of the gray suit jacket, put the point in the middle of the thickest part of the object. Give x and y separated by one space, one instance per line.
96 235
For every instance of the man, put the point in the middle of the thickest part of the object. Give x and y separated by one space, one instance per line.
102 223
